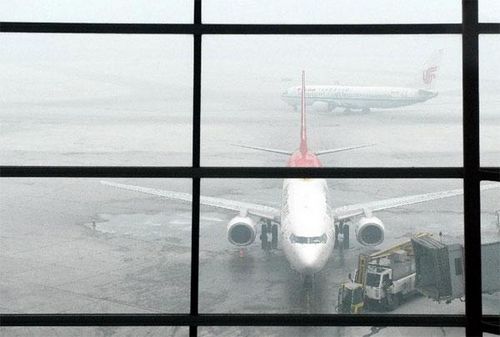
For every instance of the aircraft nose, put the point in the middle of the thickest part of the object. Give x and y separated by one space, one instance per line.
310 261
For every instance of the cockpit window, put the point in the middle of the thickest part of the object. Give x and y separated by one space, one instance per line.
308 239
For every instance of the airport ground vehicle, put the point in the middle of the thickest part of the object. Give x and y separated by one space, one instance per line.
384 278
350 298
391 280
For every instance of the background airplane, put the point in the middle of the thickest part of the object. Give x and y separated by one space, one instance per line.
329 97
306 225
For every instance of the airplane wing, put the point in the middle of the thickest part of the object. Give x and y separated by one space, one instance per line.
340 149
350 211
238 206
266 149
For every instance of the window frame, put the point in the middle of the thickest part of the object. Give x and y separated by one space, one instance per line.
471 173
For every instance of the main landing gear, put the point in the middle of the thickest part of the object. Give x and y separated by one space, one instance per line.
269 235
342 235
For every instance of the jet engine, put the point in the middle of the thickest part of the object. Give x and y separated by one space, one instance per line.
241 231
320 106
370 231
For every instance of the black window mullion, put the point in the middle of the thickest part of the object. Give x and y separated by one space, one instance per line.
490 173
197 28
236 172
195 204
284 320
470 172
472 209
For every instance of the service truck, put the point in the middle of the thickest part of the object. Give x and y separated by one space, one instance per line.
390 280
383 278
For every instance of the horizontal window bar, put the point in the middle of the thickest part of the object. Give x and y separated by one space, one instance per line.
228 172
148 28
109 28
230 320
489 28
125 28
492 174
491 325
333 29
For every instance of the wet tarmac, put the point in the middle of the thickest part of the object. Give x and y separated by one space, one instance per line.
74 245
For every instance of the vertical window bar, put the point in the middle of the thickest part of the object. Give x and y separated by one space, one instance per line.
472 213
195 205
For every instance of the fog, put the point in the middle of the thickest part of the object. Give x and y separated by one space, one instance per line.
116 11
112 96
76 245
489 11
331 12
242 11
127 100
95 99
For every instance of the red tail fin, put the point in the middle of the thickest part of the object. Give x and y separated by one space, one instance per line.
303 135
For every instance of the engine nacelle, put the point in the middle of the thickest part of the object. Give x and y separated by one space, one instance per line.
320 106
241 231
370 231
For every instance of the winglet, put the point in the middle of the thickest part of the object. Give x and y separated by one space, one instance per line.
303 135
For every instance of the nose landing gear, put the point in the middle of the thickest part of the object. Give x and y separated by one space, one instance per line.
342 235
269 235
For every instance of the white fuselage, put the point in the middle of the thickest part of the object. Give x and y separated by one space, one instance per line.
307 227
358 97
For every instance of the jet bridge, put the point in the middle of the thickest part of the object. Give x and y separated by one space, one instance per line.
440 268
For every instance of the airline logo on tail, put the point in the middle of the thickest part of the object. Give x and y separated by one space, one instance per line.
429 74
430 69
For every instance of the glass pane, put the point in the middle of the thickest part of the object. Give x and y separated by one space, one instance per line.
251 265
331 331
95 99
489 77
489 11
77 245
116 11
330 12
490 249
399 98
94 331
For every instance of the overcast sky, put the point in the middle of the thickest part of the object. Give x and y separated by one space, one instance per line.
146 11
261 62
244 11
87 74
46 67
338 11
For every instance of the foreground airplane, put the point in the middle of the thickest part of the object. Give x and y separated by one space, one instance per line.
306 225
329 97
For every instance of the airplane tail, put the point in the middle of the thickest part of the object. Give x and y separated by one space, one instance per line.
430 69
303 133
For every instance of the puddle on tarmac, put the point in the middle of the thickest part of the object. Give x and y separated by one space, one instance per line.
148 226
